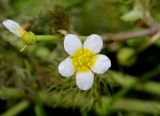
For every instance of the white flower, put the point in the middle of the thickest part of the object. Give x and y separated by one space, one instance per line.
84 59
14 27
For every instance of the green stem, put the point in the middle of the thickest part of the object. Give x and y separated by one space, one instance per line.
39 110
124 90
17 108
126 80
48 38
10 93
133 105
55 38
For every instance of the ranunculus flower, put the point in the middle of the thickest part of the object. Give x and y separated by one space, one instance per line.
84 60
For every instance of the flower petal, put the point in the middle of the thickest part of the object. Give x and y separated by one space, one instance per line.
84 80
12 26
66 68
102 64
94 43
72 43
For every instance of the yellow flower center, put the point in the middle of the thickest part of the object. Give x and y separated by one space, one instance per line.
22 32
83 60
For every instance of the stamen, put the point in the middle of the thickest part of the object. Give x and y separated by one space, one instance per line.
24 47
83 59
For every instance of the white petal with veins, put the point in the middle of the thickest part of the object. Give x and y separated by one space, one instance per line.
84 80
66 68
12 26
102 64
72 43
94 43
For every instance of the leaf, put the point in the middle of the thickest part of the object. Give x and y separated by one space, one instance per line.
133 15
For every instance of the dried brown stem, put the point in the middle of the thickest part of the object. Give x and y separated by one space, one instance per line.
153 28
130 35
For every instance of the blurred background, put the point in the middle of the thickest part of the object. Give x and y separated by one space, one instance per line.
30 84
